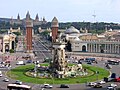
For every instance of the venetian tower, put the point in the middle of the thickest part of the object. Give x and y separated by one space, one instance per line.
54 27
58 64
29 27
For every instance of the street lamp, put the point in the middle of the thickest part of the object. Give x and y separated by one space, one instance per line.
35 69
97 72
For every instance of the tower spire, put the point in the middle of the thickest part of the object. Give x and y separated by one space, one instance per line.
18 17
27 16
37 17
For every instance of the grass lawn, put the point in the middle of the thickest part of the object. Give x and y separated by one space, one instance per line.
19 74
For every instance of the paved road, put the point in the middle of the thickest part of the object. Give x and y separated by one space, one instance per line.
41 54
115 69
41 50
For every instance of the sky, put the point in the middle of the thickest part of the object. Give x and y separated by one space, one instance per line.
64 10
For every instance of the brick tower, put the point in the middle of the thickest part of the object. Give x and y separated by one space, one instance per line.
29 27
54 27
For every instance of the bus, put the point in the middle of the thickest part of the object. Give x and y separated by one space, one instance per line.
18 87
113 62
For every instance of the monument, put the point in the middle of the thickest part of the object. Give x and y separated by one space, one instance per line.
29 27
59 66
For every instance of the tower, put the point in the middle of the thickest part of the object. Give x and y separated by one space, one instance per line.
29 26
37 18
58 64
11 21
18 17
54 26
27 16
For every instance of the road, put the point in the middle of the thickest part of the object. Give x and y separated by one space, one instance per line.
42 52
115 69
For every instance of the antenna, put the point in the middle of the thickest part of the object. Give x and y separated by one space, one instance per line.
94 16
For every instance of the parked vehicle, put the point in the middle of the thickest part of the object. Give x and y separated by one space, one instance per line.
64 86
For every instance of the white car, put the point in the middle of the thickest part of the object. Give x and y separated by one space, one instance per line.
91 84
113 85
6 80
102 82
20 63
1 75
47 86
110 88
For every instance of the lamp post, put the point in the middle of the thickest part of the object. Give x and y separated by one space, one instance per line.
35 69
97 72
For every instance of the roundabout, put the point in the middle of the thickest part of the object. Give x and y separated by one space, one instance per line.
23 73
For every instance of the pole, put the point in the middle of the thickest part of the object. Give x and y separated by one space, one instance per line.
97 72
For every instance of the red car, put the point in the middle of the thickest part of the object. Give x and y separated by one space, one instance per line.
117 79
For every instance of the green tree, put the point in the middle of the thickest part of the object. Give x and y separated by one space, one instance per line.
11 51
17 33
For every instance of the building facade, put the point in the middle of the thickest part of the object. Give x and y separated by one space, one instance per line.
7 42
108 42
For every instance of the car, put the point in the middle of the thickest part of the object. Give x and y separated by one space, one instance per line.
20 63
64 86
102 82
89 63
97 86
91 84
18 82
29 61
113 85
47 86
117 79
2 65
1 75
6 80
111 88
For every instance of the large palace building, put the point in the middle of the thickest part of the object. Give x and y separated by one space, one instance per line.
36 21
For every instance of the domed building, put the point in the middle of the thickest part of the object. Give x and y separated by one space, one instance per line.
72 30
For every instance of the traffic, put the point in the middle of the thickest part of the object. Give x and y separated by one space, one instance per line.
42 54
